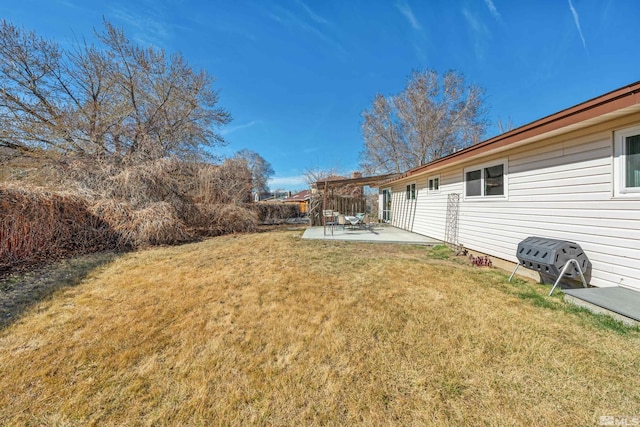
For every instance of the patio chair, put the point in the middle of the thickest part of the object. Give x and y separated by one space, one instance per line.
365 222
342 221
329 217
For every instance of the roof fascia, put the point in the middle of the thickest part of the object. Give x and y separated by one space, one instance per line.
589 112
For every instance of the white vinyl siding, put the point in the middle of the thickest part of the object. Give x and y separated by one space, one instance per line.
426 214
403 210
560 188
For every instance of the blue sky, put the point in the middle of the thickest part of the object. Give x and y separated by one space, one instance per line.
297 74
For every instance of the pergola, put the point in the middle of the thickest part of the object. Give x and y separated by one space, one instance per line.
327 184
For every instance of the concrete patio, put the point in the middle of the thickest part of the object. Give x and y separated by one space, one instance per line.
378 233
620 303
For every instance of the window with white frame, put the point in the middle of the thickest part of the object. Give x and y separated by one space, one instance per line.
486 180
411 191
627 161
434 183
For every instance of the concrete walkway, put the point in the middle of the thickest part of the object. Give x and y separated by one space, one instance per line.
377 234
620 303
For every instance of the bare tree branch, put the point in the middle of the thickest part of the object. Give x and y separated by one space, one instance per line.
260 169
114 101
432 117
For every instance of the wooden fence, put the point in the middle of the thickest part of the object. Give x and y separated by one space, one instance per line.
344 204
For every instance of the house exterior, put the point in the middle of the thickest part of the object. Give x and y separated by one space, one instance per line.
301 199
573 175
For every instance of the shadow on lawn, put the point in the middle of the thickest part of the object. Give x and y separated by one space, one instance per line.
20 291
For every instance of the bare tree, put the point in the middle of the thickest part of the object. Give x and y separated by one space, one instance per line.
432 117
384 145
261 169
113 101
314 175
504 127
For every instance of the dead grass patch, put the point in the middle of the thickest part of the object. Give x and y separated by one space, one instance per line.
268 329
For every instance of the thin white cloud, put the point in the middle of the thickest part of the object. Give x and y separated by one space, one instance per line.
480 32
232 129
476 25
314 16
290 20
288 182
493 10
405 9
576 19
149 29
68 3
419 37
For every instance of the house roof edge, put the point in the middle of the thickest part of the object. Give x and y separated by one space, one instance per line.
617 99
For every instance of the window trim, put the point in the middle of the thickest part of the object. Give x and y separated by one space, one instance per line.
429 181
620 164
482 167
411 192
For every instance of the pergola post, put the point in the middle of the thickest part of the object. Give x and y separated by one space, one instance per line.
324 207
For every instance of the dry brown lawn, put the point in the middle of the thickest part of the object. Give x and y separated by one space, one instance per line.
267 329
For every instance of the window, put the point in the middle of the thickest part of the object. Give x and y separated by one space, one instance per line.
494 181
473 181
434 183
411 191
486 180
632 161
627 161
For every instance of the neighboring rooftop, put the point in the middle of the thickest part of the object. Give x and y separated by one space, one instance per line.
302 196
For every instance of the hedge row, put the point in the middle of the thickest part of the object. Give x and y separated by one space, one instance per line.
39 226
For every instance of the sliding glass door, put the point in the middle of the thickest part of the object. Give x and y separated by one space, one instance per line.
386 205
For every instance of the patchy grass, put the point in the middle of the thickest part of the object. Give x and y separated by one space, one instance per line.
268 329
440 252
537 295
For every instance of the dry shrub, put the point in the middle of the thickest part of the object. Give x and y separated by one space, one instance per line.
138 185
165 201
37 226
229 182
168 201
217 219
147 184
30 169
274 213
155 224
